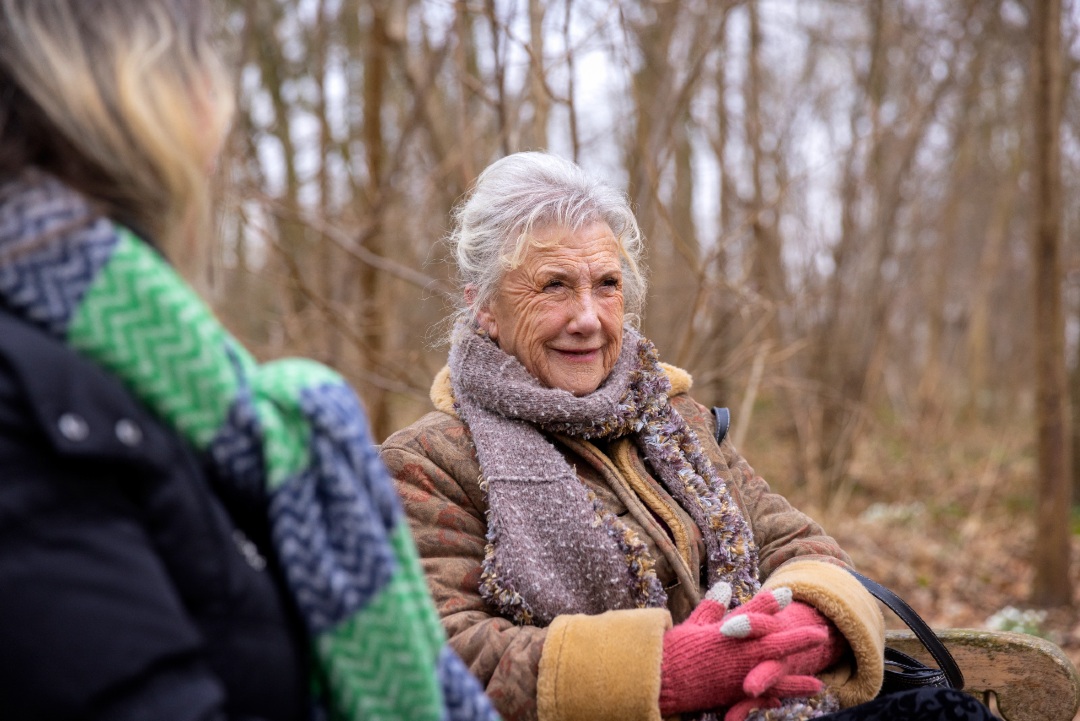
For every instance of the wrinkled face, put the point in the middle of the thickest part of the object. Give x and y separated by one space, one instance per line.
561 311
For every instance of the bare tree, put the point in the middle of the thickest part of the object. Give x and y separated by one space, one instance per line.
1051 553
835 195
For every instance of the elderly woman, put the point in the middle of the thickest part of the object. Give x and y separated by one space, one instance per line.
570 502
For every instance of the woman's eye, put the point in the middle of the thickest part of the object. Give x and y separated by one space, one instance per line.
553 284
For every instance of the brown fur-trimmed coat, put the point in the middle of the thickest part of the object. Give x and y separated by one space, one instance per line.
608 666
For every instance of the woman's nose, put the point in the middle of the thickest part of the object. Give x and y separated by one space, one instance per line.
586 317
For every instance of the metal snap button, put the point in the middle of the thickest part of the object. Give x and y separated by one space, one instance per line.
128 432
73 427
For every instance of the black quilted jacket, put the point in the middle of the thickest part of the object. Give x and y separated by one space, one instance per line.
129 589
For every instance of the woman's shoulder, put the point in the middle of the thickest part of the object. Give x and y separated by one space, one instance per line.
50 393
681 380
691 410
437 444
432 425
434 458
97 487
439 437
696 415
699 417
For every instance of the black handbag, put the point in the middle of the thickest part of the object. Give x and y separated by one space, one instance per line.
902 672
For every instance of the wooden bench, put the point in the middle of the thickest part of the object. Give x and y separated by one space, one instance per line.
1029 678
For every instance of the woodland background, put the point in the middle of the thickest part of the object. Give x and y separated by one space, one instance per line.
860 235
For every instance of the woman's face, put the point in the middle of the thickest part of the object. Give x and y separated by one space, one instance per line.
561 311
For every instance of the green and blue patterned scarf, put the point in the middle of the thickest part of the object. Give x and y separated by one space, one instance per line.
290 434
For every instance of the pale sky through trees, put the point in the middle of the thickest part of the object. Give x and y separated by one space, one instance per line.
840 201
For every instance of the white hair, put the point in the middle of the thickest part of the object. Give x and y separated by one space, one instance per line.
532 191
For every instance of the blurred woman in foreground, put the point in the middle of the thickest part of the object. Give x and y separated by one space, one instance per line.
593 552
184 533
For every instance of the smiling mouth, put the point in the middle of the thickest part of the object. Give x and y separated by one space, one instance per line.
578 354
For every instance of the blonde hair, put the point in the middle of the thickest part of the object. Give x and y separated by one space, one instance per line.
125 100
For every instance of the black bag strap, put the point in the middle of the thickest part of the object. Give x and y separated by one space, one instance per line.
723 420
922 631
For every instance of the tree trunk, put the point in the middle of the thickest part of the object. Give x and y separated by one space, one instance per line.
537 137
1051 552
373 336
980 356
768 274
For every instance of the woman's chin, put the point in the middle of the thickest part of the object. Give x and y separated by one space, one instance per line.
579 381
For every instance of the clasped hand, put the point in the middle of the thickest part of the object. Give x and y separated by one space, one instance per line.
745 658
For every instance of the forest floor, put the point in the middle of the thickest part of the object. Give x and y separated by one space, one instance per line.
946 518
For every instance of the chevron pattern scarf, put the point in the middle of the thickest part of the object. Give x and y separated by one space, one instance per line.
290 432
552 548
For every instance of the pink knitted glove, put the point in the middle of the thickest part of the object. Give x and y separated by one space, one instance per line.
708 657
791 676
713 607
794 670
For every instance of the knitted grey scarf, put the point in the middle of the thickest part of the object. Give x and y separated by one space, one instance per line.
551 548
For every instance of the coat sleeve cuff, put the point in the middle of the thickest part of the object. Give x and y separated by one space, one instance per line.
839 596
607 666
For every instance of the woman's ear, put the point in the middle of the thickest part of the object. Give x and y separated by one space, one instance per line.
484 317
